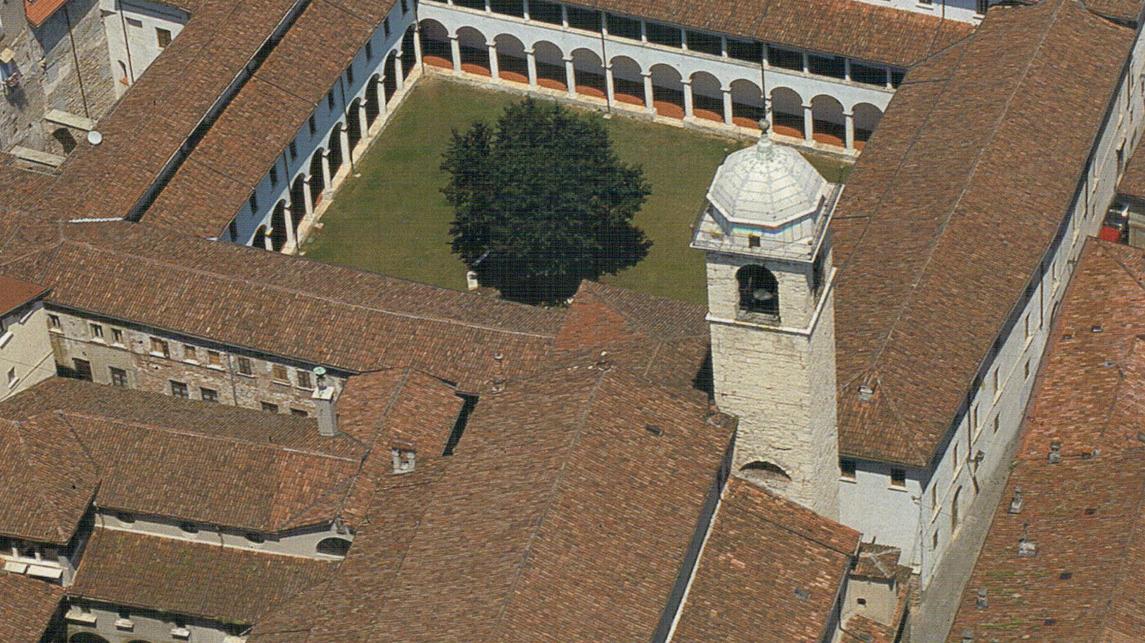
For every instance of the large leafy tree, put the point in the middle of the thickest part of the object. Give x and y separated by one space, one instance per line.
542 202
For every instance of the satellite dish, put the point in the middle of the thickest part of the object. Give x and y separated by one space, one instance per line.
94 137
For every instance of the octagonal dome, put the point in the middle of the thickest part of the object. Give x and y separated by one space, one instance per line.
767 185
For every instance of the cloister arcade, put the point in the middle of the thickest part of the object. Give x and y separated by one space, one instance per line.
586 63
568 60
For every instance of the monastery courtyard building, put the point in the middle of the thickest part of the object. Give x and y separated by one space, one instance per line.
207 437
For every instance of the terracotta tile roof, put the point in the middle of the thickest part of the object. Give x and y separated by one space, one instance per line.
139 138
494 542
913 252
771 570
49 481
169 412
28 606
288 306
196 579
841 27
1125 11
264 117
38 11
1086 514
15 293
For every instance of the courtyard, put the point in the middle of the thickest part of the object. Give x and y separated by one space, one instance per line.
391 216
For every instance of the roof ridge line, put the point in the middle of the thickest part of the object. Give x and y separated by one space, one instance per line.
310 295
933 245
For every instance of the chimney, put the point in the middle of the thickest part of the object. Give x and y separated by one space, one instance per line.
323 397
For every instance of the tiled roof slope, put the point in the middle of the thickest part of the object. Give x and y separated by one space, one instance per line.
561 516
162 109
771 570
265 116
169 412
840 27
28 606
1086 514
288 306
48 480
930 269
1126 11
15 293
197 579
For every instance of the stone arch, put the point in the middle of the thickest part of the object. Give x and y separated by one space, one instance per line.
435 48
550 65
867 118
390 76
747 103
828 125
667 91
335 153
787 112
767 474
65 138
758 290
333 547
474 51
317 180
512 64
373 99
298 202
589 71
278 225
408 51
628 81
259 238
707 97
354 131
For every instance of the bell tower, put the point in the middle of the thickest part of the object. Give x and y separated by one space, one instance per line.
772 319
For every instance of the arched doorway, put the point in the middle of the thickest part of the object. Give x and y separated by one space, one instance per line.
589 74
787 112
390 78
550 66
353 125
474 52
512 65
259 239
627 81
667 91
278 226
747 104
435 48
867 118
409 57
827 123
707 97
298 202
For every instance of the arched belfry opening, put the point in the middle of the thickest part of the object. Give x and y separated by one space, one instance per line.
758 290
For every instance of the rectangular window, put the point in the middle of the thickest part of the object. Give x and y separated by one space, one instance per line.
190 354
954 461
293 150
208 394
831 66
663 35
350 75
997 382
214 358
897 77
54 322
1026 322
982 6
245 367
974 421
12 379
96 331
313 124
369 50
543 11
622 27
274 173
847 469
705 43
303 379
405 7
233 230
508 7
330 99
179 389
160 347
386 27
134 22
996 417
269 407
118 377
279 373
751 52
163 37
299 413
117 336
1027 369
868 75
584 19
784 58
253 202
898 478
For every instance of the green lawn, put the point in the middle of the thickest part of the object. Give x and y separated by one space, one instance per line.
393 218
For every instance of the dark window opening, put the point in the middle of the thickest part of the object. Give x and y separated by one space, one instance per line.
898 477
664 35
584 19
622 27
868 75
508 7
705 43
785 58
549 12
847 468
333 547
751 52
833 66
897 77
